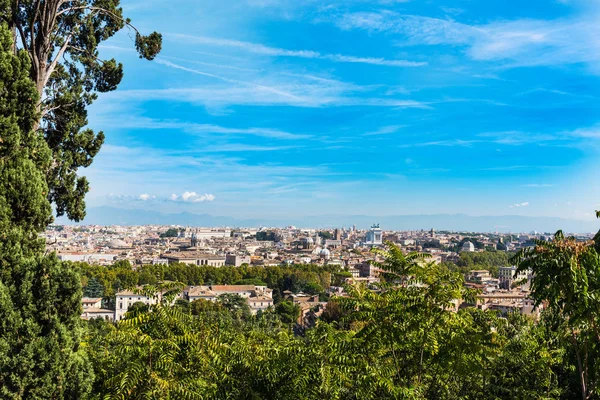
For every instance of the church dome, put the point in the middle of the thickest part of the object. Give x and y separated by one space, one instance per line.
325 253
117 244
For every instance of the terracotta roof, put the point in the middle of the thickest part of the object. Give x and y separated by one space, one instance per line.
95 310
91 299
233 288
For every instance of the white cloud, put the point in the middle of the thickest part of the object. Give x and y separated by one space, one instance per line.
524 204
187 197
257 48
193 197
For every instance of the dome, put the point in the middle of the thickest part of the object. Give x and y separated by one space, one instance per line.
325 253
117 244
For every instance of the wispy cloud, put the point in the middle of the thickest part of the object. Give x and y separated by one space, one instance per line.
385 130
243 148
301 94
537 185
257 48
517 205
137 122
520 42
445 143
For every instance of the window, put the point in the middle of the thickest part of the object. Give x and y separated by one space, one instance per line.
120 306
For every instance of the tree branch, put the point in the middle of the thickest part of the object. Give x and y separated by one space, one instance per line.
100 10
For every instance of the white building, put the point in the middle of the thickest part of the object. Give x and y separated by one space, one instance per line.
468 247
507 277
92 308
91 258
124 300
374 236
207 233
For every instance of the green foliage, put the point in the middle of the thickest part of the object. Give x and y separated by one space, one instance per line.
403 342
61 38
326 235
298 278
396 265
235 304
288 312
170 233
567 279
488 260
266 236
251 281
40 298
93 289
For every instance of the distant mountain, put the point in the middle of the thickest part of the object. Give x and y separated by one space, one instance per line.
455 222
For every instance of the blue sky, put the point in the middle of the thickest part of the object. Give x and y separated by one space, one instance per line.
289 108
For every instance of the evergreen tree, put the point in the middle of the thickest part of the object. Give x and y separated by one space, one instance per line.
61 40
93 289
40 299
288 312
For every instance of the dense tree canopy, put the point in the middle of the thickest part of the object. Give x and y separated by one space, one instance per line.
405 341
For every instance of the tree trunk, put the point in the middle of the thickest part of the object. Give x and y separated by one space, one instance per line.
579 367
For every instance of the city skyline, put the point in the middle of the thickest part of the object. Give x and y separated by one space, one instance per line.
273 108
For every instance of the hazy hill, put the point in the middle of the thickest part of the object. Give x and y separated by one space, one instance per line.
457 222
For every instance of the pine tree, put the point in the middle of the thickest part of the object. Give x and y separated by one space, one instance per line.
61 40
93 289
40 354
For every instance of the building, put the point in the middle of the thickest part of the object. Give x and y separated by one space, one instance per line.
479 276
374 236
90 258
236 260
125 299
91 302
468 247
207 233
507 276
509 302
258 297
93 312
195 258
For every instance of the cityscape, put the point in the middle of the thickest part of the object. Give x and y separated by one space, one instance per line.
299 199
347 250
